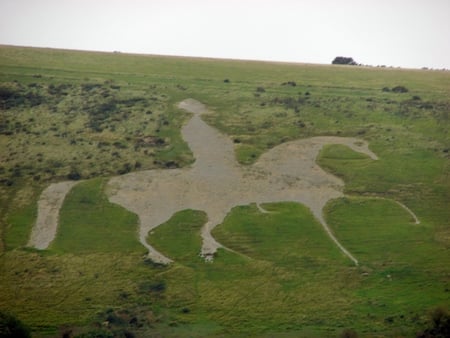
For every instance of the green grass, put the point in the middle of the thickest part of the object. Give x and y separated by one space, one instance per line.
103 114
288 235
260 284
179 238
405 172
52 291
17 234
381 232
403 261
21 205
99 227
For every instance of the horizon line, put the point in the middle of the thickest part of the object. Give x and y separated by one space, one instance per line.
237 59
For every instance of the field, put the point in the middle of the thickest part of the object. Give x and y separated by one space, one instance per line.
70 115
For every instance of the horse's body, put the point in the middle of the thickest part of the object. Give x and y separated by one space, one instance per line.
216 182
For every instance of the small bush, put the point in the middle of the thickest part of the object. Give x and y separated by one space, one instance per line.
74 175
289 83
113 318
400 89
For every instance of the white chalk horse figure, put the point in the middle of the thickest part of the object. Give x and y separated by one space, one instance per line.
216 183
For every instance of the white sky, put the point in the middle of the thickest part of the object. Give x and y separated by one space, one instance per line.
406 33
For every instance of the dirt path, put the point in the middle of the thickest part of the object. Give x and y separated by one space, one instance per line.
408 210
216 182
50 202
413 215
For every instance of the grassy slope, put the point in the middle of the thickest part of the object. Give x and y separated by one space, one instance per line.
105 227
407 267
260 286
295 291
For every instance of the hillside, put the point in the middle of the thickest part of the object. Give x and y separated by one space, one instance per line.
324 190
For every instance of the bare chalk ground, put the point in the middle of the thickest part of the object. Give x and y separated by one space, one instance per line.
50 202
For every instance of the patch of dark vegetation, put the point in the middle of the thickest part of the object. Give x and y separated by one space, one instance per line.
416 108
59 90
104 107
348 333
12 327
167 164
290 102
149 262
396 89
150 141
99 114
281 114
16 95
400 89
153 287
6 182
126 168
439 324
289 83
74 175
7 93
132 101
120 145
119 323
87 87
300 124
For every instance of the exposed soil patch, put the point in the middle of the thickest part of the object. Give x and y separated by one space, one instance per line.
50 202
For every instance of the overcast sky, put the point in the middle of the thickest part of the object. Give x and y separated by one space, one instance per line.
406 33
